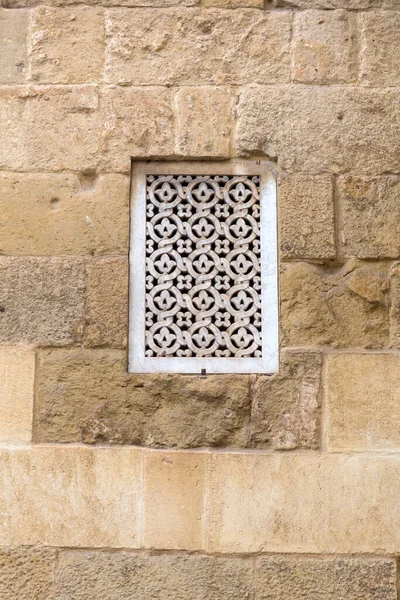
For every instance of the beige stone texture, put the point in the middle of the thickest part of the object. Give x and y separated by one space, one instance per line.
234 3
325 578
89 396
324 48
106 303
137 122
380 47
54 128
97 3
331 4
17 368
369 216
27 573
173 501
285 406
215 46
395 305
41 300
322 128
304 503
306 217
363 410
70 496
204 121
117 576
67 45
63 213
344 306
13 36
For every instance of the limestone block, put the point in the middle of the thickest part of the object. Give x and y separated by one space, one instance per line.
27 573
342 307
215 46
395 306
41 300
306 217
322 128
285 411
92 575
174 493
234 3
63 213
363 402
137 122
325 578
97 3
17 368
369 216
330 4
204 121
106 303
324 49
70 496
13 55
55 128
303 503
67 45
88 395
380 47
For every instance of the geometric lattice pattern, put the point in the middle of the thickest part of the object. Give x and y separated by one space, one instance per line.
203 271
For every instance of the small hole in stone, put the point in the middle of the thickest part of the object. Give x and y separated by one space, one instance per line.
54 203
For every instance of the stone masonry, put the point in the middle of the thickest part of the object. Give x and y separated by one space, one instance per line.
229 487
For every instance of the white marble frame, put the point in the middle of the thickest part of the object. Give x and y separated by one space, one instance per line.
138 362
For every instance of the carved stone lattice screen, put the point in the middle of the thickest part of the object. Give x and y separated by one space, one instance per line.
203 268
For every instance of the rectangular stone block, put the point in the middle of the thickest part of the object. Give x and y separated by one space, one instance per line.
395 305
234 3
369 216
338 306
17 368
67 45
70 496
41 300
325 578
306 217
304 503
97 3
363 410
324 48
330 4
55 128
99 402
142 46
380 43
286 406
13 55
174 494
63 213
27 573
322 128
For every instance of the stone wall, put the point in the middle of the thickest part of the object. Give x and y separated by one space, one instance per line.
229 487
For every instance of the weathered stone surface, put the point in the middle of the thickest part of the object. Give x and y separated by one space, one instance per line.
67 45
63 213
306 217
53 128
215 46
347 4
285 411
204 121
308 503
395 305
13 55
369 216
324 49
127 3
137 122
315 129
106 303
17 368
174 495
325 579
363 402
70 496
234 3
380 47
347 306
41 300
89 396
27 573
115 576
